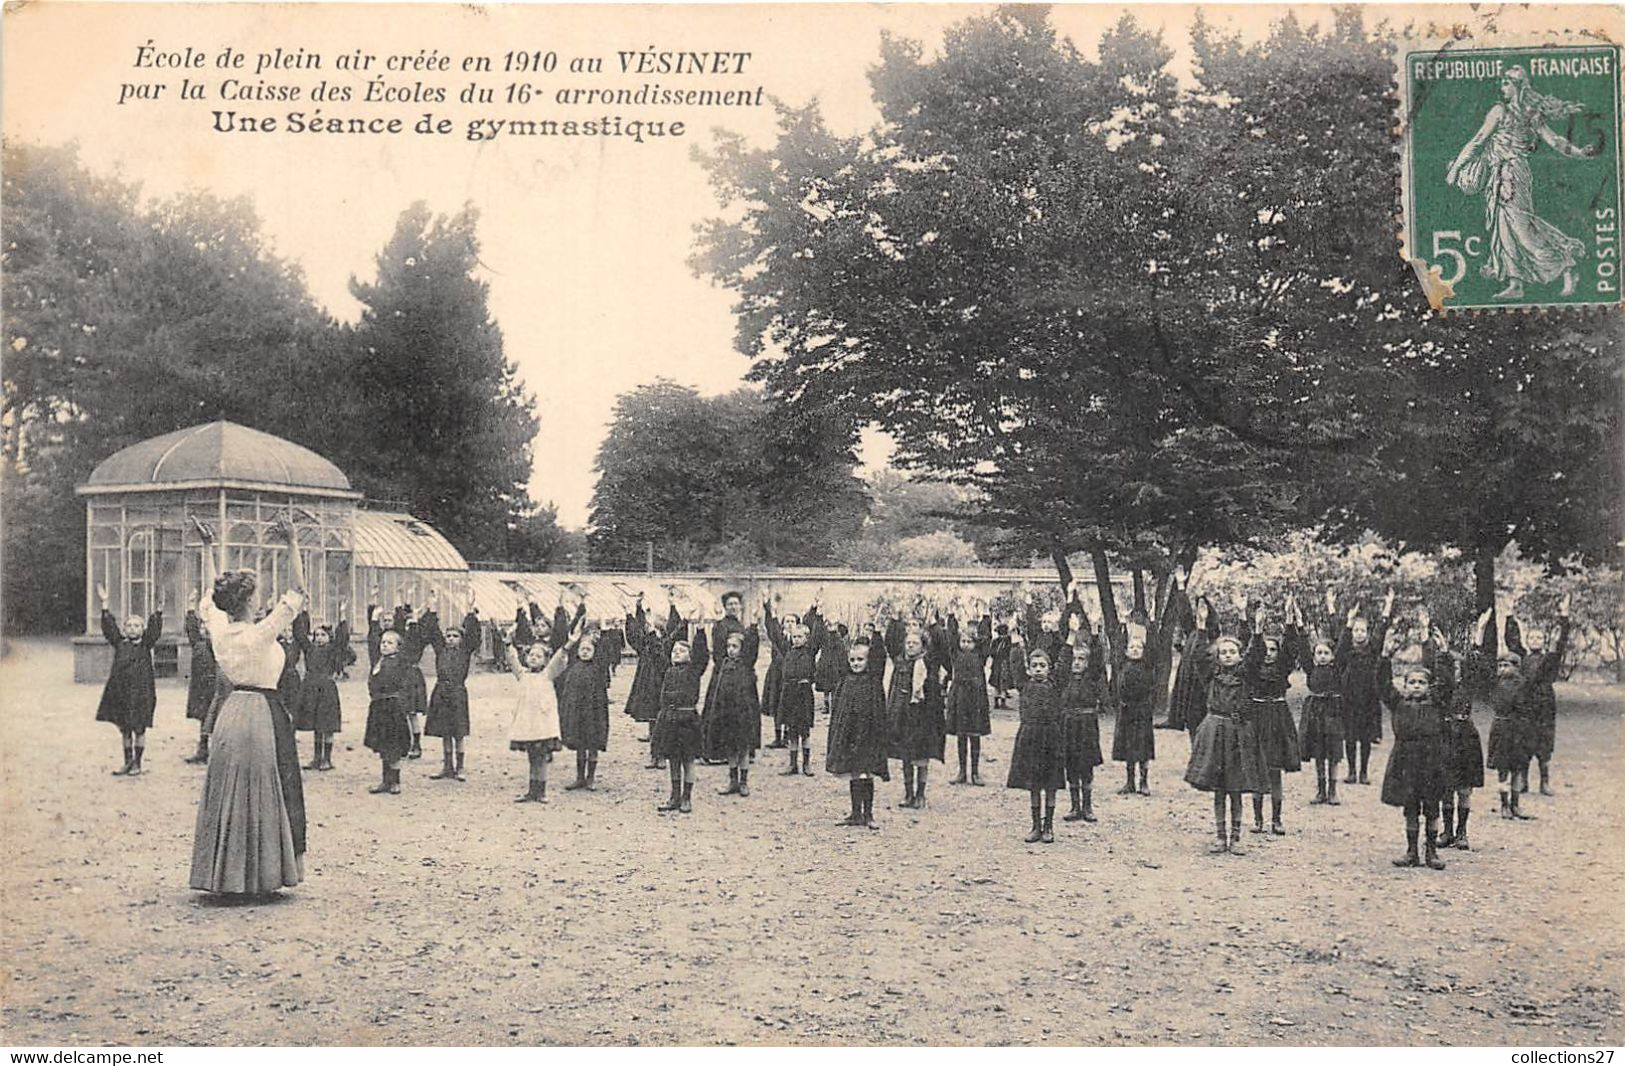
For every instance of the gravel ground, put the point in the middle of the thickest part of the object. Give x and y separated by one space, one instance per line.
448 915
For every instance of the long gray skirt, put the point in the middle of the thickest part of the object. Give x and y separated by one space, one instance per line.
244 841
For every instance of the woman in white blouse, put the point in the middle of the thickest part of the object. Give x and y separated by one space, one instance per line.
251 821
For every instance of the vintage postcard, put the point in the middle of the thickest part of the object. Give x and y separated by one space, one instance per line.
814 525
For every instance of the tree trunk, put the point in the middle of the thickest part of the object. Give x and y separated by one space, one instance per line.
1161 652
1139 593
1484 580
1108 599
1062 567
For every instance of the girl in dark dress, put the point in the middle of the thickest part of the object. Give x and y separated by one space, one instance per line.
796 652
131 695
650 644
293 640
832 664
1362 709
1267 683
733 725
1038 760
1514 699
771 682
1082 698
448 703
611 646
724 628
859 729
316 709
389 709
1225 756
414 639
1463 748
967 707
1414 780
1134 741
584 711
1187 706
1320 719
200 685
914 704
676 736
1540 667
1000 675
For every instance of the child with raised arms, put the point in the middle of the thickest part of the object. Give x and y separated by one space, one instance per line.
1085 691
317 708
859 729
914 703
131 695
1226 759
677 738
967 715
1038 760
448 703
533 727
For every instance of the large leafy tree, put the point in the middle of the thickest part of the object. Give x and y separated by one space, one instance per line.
1140 320
126 320
1033 275
1507 432
721 481
440 420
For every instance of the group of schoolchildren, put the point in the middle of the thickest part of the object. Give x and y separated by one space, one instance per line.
698 693
1230 691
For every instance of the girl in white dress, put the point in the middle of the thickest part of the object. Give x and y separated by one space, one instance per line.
534 728
250 837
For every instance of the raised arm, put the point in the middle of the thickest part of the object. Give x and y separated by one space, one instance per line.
301 631
814 621
697 650
1385 680
471 631
1553 662
155 629
876 666
432 633
775 632
637 630
1514 637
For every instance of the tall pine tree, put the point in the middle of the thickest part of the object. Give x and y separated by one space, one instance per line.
441 421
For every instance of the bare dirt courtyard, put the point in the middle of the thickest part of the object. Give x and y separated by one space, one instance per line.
448 915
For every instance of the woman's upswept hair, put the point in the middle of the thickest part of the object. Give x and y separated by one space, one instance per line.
234 589
1547 108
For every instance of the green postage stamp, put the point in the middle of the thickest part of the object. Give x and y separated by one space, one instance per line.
1511 182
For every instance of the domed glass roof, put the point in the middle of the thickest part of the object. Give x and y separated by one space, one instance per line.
218 454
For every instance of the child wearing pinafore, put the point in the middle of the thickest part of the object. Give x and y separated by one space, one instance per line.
534 725
1225 756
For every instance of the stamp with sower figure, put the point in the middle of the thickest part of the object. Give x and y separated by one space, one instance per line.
1511 181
